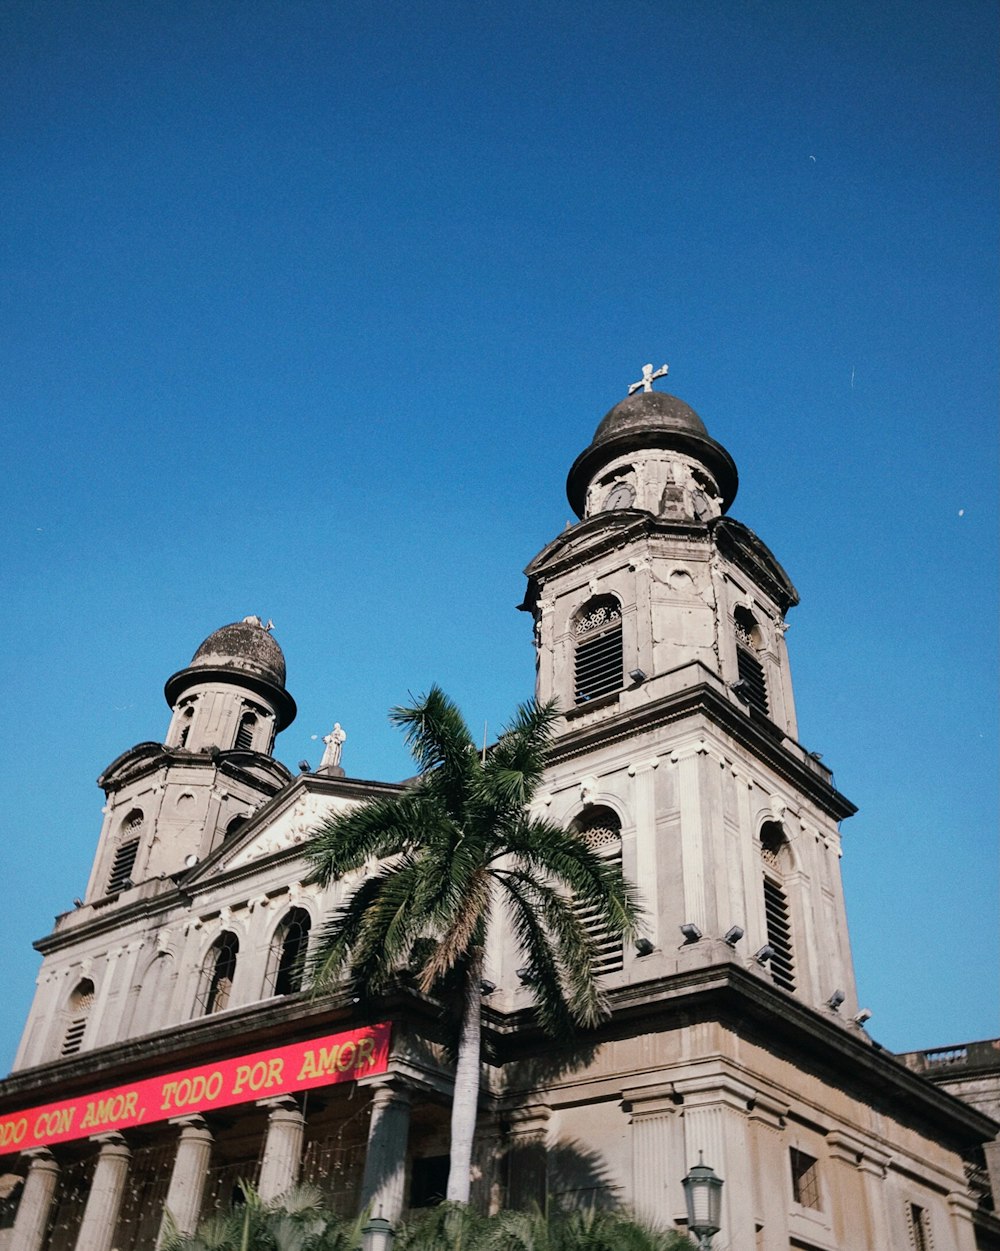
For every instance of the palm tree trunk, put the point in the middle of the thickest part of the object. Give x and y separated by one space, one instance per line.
465 1102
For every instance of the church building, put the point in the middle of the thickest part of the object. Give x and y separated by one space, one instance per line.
171 1049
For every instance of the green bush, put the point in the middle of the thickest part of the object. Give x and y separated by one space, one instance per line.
302 1221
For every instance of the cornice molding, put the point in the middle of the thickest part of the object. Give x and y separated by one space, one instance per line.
703 698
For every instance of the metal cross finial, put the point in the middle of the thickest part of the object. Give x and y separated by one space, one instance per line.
646 382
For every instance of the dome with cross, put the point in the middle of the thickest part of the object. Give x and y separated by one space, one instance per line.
645 421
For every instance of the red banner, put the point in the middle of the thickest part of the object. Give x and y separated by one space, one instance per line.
319 1062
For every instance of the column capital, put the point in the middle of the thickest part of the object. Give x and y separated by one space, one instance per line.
856 1152
279 1103
111 1143
529 1119
716 1089
962 1205
388 1089
767 1111
658 1100
193 1120
39 1156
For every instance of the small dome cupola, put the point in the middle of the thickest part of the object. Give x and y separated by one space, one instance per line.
647 425
247 646
243 654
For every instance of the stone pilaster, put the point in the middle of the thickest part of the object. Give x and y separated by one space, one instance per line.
486 1178
657 1151
279 1169
853 1161
187 1180
991 1150
646 867
32 1221
99 1025
100 1216
688 761
527 1174
384 1182
961 1209
716 1124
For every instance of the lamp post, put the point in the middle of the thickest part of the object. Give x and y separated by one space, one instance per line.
703 1196
376 1235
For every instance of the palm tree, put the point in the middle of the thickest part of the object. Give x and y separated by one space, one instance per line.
449 850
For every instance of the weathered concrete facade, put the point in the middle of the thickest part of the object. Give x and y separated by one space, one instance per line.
659 624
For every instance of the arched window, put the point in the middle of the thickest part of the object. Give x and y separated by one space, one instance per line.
752 686
286 959
601 830
776 857
120 877
187 716
234 827
77 1012
217 974
597 661
245 732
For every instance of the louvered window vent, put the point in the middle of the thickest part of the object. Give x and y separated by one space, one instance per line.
753 684
122 866
779 935
604 840
598 660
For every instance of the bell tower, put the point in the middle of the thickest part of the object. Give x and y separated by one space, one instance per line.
169 804
660 632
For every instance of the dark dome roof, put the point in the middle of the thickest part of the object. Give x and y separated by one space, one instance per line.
245 653
645 411
646 420
245 646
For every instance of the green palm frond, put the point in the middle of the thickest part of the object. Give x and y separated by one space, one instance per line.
438 738
572 945
546 849
515 764
380 828
371 933
465 932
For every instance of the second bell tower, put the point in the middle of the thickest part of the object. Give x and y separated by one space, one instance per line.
659 626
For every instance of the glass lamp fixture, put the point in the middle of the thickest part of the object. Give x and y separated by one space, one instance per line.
703 1196
376 1235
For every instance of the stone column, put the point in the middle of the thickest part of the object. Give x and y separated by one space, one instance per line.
383 1185
33 1212
286 1127
100 1216
187 1180
527 1172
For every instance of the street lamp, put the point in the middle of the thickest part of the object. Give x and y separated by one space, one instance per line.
376 1235
703 1196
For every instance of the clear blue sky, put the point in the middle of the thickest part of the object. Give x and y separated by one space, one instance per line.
307 308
